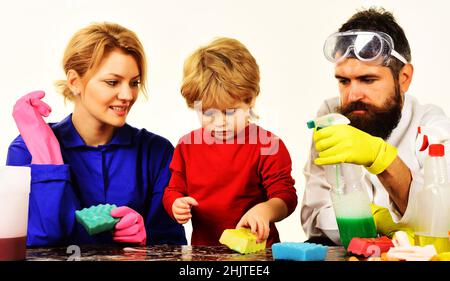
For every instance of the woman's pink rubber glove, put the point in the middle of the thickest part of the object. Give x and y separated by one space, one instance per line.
130 228
37 135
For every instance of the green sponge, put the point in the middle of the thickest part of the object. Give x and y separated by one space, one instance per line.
241 240
96 219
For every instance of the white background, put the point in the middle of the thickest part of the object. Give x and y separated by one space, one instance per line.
285 37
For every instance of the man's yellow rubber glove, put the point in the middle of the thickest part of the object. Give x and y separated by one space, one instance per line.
386 226
346 144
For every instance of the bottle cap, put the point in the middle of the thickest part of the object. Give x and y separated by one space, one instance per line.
436 150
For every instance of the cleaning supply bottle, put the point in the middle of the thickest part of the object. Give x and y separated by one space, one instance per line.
432 221
351 205
332 172
349 196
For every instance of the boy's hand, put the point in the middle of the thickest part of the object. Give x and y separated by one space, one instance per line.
181 209
257 219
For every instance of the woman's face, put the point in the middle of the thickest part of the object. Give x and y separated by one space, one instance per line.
110 92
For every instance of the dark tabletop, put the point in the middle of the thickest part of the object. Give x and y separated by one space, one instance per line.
156 253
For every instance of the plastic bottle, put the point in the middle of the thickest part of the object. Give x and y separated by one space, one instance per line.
351 205
349 196
332 172
432 221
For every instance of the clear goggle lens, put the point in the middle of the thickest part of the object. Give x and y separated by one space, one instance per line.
364 45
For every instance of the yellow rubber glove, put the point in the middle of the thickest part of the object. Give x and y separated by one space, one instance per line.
386 226
346 144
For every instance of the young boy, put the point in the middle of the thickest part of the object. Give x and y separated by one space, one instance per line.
230 173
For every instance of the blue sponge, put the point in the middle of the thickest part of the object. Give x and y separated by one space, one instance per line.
299 251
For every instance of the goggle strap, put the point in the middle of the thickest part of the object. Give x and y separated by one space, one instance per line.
398 56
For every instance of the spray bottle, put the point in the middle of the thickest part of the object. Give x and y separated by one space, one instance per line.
432 204
350 200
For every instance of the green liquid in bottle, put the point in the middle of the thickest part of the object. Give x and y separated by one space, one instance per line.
356 227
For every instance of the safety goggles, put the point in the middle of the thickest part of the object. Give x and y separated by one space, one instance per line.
364 45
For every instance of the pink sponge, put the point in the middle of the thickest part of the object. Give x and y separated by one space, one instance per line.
369 246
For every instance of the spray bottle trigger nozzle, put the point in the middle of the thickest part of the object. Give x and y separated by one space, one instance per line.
311 124
424 143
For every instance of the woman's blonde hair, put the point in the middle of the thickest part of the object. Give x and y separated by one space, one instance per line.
90 45
220 74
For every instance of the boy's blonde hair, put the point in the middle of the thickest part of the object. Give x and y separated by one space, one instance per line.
90 45
220 74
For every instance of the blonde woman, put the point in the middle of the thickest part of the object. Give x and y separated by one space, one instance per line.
93 156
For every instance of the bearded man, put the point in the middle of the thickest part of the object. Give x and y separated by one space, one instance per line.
373 69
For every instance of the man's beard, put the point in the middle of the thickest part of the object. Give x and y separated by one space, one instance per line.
376 121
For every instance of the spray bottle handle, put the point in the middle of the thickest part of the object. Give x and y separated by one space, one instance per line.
425 142
432 135
327 120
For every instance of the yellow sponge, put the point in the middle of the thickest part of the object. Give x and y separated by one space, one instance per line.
241 240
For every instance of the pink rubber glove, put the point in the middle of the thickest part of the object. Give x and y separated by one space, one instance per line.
130 228
37 135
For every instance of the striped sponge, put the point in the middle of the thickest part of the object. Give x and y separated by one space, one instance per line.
96 219
299 251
